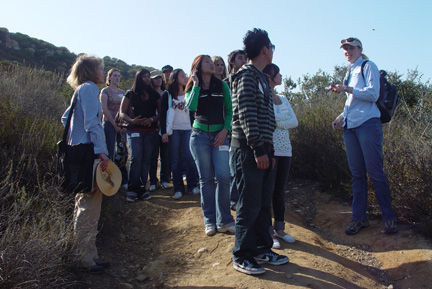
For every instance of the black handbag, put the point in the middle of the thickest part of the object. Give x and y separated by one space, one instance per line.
75 162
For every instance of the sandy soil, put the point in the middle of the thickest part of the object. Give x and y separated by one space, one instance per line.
161 244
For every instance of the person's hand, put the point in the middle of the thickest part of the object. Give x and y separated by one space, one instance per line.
105 161
263 162
146 122
337 123
220 137
195 77
118 129
165 138
137 120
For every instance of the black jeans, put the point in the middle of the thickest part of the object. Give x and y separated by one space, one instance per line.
255 188
282 169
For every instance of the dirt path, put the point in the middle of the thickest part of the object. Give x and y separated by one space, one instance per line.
161 244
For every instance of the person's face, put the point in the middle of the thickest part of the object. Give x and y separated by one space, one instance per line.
278 79
207 66
157 82
239 60
146 78
269 50
100 75
181 78
219 67
167 74
352 53
115 78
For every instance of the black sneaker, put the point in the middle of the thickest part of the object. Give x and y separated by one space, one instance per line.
95 269
248 266
390 227
271 258
144 196
355 226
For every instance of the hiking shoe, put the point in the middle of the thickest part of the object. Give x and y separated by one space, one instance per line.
152 188
131 196
248 266
195 191
210 229
226 229
271 258
355 226
276 244
177 195
287 238
390 227
165 185
144 196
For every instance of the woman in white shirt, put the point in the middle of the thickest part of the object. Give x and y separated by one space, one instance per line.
285 119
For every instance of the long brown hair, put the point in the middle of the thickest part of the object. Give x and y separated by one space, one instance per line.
215 83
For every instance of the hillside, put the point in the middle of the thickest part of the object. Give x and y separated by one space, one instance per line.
21 48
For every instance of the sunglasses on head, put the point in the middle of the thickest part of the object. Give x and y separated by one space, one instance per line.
350 39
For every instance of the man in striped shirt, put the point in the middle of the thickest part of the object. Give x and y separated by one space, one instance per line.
252 141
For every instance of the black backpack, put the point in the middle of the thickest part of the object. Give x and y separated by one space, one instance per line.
388 96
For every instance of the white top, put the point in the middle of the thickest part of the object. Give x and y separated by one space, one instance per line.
285 119
181 119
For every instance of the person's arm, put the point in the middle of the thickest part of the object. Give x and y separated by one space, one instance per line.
191 98
90 106
124 107
163 113
105 110
291 120
370 92
227 106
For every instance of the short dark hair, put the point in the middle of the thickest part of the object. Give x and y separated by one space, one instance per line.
254 41
232 56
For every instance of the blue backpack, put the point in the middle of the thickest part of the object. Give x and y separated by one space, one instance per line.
388 96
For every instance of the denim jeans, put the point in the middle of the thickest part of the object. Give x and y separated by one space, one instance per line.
364 151
141 147
179 142
278 200
211 162
255 188
233 186
112 138
160 149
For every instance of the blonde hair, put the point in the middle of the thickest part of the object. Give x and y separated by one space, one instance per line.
110 72
85 68
216 58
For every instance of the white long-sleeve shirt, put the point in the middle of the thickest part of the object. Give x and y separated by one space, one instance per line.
285 119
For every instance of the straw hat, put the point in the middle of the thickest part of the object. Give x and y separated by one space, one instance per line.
108 181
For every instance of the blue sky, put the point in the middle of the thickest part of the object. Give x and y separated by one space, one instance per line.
307 34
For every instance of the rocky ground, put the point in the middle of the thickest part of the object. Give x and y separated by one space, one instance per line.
161 244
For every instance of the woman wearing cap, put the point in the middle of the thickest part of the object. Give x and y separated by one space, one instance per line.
209 97
86 127
140 108
285 120
220 68
159 147
363 137
111 97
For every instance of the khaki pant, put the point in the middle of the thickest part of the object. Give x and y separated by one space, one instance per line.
86 218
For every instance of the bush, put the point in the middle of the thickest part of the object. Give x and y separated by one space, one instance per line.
35 222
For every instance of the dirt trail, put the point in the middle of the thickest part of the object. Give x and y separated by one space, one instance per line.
161 244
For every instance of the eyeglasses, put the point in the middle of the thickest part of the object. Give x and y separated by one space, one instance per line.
350 39
272 46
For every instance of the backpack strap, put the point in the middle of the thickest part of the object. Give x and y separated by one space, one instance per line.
362 66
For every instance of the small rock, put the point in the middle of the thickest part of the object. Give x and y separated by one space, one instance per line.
216 264
202 250
141 277
289 276
125 286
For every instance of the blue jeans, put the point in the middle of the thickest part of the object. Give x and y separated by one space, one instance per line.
255 188
141 147
178 142
364 151
112 138
212 162
160 149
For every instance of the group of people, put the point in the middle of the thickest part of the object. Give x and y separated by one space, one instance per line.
227 130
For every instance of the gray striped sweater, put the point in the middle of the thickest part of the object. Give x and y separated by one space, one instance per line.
253 115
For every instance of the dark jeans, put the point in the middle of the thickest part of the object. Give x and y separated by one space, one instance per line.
112 138
233 186
364 151
255 188
281 176
160 149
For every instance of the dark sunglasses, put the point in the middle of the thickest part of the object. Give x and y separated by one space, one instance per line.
272 46
350 39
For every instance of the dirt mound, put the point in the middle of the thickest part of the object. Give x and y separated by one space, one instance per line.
161 244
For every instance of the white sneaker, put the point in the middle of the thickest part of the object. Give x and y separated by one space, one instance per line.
177 195
287 238
195 191
210 229
152 188
276 244
165 185
228 229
